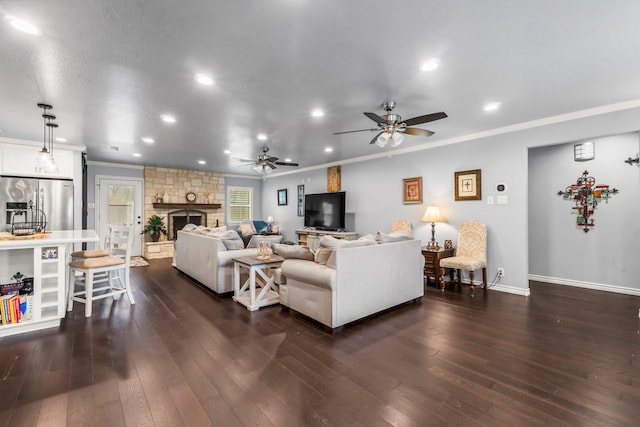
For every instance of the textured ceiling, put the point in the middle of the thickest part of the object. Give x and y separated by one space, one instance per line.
111 67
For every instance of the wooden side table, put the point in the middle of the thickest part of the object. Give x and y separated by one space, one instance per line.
260 279
432 262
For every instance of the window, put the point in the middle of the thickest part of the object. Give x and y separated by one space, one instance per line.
239 204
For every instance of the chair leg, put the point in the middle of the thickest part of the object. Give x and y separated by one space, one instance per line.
471 277
127 285
442 271
88 284
484 278
71 289
458 276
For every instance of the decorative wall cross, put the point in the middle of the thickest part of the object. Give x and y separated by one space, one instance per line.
586 195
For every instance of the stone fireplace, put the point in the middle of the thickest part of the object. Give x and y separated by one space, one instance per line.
174 184
181 217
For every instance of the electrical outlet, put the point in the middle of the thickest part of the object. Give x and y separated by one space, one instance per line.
500 271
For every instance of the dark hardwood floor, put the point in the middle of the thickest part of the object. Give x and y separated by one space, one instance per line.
180 356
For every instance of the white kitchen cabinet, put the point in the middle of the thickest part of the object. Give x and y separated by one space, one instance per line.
20 160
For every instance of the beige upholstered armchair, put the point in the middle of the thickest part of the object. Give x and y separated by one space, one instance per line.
471 254
401 226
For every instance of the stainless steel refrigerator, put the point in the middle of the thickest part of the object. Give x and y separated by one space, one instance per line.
53 196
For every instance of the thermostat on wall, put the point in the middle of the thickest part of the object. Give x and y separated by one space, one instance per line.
501 187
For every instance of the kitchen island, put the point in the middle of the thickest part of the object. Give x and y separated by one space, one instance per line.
46 260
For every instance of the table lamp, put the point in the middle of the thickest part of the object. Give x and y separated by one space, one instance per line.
269 222
432 215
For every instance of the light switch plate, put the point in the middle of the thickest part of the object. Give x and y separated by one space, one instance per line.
490 200
502 200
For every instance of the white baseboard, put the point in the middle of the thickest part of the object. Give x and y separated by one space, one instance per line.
511 289
525 292
587 285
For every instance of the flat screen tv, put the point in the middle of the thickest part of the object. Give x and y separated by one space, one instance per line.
324 211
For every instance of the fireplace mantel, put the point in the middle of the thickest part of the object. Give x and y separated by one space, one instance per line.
187 206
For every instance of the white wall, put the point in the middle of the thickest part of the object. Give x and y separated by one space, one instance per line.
605 256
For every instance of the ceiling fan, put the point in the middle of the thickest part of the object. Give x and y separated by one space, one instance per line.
391 127
265 163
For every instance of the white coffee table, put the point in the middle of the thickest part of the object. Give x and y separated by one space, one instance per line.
260 278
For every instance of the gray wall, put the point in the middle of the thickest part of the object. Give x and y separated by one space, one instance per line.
607 255
374 189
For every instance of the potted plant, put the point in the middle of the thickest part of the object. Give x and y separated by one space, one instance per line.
155 226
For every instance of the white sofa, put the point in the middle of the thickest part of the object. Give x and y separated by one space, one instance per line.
365 281
207 260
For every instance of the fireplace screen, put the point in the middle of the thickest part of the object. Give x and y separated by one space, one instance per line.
178 219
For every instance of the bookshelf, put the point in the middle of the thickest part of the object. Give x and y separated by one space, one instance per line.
46 261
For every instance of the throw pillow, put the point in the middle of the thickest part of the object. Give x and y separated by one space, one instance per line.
189 227
392 237
255 239
230 239
367 237
247 229
293 252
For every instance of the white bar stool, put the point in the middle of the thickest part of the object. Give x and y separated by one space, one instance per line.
93 270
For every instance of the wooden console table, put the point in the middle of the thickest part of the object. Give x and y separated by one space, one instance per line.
432 262
311 238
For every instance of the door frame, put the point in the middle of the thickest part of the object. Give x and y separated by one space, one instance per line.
138 205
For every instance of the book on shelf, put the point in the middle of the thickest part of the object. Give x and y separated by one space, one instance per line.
15 308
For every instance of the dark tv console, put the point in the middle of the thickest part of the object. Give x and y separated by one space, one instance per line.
310 237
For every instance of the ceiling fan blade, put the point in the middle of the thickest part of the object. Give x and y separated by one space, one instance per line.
373 141
425 119
286 164
352 131
272 159
376 118
418 132
271 165
244 160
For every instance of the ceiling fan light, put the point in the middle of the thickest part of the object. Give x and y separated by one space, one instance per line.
267 169
396 139
382 140
258 168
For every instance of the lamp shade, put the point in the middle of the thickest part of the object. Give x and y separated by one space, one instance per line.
433 215
382 140
396 139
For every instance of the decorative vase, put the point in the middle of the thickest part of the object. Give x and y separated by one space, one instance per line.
155 236
165 197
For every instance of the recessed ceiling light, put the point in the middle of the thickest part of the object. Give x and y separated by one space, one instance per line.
61 139
137 155
317 113
204 79
430 65
148 140
261 137
167 118
202 162
24 26
492 106
328 150
227 151
287 160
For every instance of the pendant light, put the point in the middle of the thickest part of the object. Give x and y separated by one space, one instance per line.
44 159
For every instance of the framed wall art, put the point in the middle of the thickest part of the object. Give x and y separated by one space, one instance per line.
468 185
301 200
282 197
333 178
412 190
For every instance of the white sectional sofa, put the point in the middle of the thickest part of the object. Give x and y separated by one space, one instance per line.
206 259
356 283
